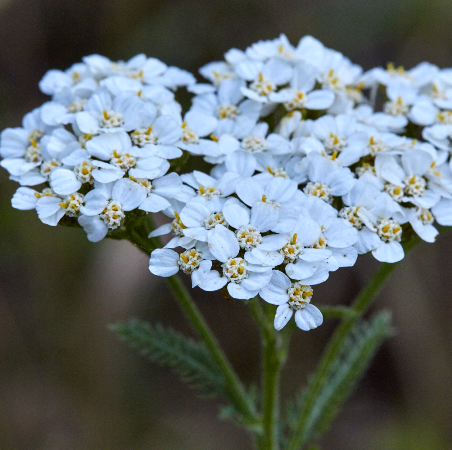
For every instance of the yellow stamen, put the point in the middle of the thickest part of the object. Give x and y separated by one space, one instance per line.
184 258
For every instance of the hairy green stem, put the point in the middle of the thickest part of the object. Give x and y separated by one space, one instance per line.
274 353
236 391
234 387
358 308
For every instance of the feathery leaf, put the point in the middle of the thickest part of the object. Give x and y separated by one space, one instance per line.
187 358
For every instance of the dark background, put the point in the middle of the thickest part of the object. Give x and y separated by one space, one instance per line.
66 382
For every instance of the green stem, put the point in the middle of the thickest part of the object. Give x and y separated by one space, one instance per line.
236 392
358 308
274 353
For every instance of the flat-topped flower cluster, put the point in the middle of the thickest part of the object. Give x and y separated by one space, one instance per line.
305 174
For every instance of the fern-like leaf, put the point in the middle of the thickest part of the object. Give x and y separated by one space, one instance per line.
349 366
187 358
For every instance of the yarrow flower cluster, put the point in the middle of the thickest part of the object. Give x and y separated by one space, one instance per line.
305 174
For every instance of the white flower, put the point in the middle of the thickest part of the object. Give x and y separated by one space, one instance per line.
233 115
243 280
106 204
104 114
267 201
165 262
217 72
159 191
341 138
326 178
158 138
409 177
337 235
199 216
249 227
302 90
291 297
265 79
401 97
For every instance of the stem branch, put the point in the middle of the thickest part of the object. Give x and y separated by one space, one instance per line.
358 308
274 353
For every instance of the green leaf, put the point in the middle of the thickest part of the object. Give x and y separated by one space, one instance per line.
350 363
187 358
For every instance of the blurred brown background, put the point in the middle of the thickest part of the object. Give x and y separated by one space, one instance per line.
66 382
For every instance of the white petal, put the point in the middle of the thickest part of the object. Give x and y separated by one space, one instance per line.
443 212
389 252
87 123
50 206
308 318
367 241
345 257
198 233
301 270
236 214
194 214
94 226
154 203
164 229
95 202
315 254
283 315
272 242
319 99
240 292
320 276
128 193
268 258
341 234
275 292
427 232
168 186
64 181
264 216
212 281
24 198
250 191
163 262
223 243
